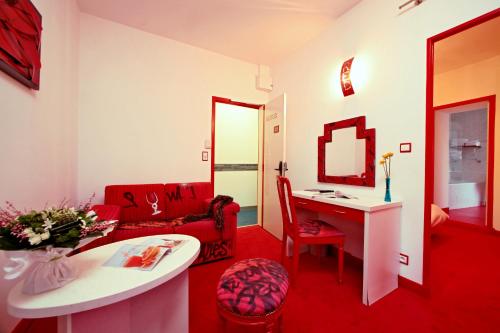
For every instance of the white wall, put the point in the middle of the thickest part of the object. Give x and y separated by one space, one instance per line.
145 105
236 134
442 159
38 129
390 47
241 185
237 142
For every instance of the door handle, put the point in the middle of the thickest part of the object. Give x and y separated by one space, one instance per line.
282 167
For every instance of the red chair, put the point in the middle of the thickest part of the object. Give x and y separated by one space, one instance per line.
313 232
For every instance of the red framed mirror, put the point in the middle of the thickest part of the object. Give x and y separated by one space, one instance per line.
346 153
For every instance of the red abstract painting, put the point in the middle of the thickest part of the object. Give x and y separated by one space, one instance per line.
20 41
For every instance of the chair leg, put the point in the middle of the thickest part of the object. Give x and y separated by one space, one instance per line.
222 324
320 250
283 248
341 261
295 261
270 327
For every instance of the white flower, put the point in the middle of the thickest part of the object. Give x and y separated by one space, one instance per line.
29 232
90 213
45 235
47 224
35 239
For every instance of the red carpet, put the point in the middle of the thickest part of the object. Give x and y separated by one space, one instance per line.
465 291
471 215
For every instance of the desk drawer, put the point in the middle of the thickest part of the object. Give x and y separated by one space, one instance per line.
331 209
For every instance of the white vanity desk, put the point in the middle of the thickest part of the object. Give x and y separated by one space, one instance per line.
372 229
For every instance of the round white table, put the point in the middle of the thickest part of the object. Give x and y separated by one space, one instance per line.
115 299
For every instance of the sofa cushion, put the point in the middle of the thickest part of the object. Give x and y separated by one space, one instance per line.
204 230
138 202
107 212
184 199
141 229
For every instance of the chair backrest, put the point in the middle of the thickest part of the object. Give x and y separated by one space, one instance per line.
288 214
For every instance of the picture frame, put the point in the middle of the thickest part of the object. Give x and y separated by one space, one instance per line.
20 41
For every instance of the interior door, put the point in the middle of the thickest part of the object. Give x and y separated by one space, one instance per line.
274 162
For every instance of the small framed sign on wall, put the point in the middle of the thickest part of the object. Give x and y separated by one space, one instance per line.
405 147
20 41
204 155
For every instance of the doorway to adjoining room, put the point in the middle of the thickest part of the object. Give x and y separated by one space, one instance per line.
236 141
461 160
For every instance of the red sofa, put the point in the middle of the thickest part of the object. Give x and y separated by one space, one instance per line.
150 209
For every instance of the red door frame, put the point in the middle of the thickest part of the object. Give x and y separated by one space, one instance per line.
429 131
491 100
222 100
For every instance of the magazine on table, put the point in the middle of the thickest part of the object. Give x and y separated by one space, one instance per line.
144 256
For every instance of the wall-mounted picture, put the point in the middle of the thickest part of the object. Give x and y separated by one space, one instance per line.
20 41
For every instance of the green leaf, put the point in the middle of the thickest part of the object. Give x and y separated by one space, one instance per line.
10 244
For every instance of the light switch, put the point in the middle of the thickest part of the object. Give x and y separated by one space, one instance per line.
405 147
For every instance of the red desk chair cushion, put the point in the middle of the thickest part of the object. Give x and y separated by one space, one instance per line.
253 287
317 228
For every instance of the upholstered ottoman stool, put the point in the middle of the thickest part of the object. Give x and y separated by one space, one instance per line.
253 292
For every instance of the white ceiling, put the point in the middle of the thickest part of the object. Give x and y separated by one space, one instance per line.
470 46
258 31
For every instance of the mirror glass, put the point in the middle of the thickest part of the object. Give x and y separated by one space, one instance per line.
345 155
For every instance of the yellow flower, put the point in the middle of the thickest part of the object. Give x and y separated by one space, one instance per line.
382 162
388 155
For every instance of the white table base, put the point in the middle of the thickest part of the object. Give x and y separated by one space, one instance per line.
162 309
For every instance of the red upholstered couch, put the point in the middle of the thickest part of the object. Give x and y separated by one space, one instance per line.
150 209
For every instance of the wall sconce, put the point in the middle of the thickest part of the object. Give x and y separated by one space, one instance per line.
345 78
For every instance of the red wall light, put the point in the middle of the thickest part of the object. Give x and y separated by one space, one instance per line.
345 78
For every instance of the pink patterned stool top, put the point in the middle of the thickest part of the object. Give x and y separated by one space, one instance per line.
253 287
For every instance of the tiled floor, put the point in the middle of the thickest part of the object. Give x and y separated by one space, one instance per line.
472 215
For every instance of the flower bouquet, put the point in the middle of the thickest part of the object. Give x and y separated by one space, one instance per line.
49 235
385 161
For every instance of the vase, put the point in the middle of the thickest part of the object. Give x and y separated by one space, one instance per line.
387 190
50 269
